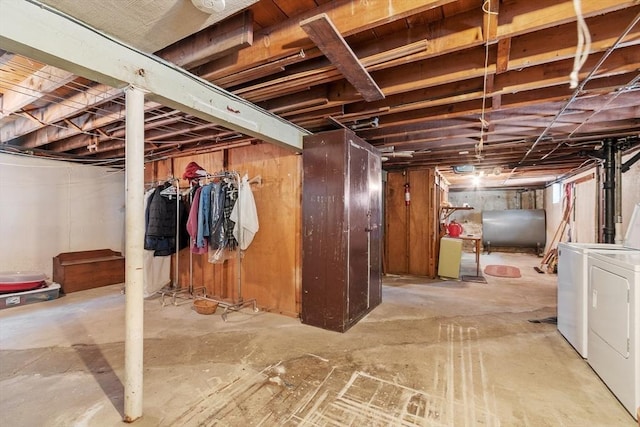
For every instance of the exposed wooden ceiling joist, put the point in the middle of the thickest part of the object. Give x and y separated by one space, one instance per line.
28 29
325 35
442 65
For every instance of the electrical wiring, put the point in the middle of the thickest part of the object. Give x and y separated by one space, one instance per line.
483 122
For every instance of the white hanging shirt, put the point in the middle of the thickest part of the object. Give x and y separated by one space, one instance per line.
245 209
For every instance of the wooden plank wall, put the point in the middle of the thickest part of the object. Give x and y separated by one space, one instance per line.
412 231
271 264
420 222
395 252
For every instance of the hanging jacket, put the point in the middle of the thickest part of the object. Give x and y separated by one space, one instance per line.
192 224
204 208
162 215
245 211
218 234
161 227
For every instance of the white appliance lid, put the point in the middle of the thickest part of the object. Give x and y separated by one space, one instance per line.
632 237
623 259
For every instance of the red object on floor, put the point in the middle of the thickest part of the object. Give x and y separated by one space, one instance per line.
502 271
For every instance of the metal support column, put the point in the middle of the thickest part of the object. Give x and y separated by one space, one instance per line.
619 237
609 191
134 305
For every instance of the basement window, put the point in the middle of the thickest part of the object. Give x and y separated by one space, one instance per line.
464 169
555 188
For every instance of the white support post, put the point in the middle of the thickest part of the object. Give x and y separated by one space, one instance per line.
134 306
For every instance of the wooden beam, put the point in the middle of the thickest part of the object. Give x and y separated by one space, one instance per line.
353 17
470 64
325 35
559 42
502 60
46 36
529 16
89 98
44 81
287 38
5 56
214 42
526 51
490 20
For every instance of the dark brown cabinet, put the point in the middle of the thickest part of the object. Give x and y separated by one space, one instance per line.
342 229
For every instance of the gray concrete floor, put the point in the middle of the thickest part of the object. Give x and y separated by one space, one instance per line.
435 353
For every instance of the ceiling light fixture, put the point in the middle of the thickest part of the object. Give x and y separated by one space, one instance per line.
209 6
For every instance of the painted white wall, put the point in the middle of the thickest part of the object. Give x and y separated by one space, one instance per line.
583 226
553 212
584 219
49 207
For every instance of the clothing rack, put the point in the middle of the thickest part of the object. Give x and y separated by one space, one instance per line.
200 292
174 290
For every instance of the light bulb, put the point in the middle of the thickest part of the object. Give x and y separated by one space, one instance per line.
209 6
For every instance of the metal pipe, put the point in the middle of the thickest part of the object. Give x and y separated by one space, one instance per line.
134 280
618 195
609 191
176 276
627 165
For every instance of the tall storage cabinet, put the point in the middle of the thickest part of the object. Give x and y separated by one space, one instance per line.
342 229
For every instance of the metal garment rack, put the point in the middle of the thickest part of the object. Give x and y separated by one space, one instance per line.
174 290
200 292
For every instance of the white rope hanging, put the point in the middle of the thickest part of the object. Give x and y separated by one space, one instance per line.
483 122
583 47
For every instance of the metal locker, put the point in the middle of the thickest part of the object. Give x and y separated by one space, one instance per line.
342 220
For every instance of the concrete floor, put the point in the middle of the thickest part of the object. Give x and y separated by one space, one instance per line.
435 353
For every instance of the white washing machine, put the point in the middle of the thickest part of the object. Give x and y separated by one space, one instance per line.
573 282
614 324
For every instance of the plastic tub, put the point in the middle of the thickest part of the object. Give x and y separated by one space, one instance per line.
16 281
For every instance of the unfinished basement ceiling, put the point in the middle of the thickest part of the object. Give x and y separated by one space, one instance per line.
464 82
148 25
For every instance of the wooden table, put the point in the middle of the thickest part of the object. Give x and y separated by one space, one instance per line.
477 240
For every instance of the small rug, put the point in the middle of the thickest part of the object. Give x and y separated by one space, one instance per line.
502 271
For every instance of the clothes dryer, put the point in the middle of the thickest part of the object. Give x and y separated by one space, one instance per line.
573 282
614 324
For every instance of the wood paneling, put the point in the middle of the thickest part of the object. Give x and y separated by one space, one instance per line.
410 241
420 221
395 248
271 264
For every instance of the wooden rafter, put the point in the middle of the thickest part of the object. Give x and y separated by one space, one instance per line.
428 58
326 36
212 43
